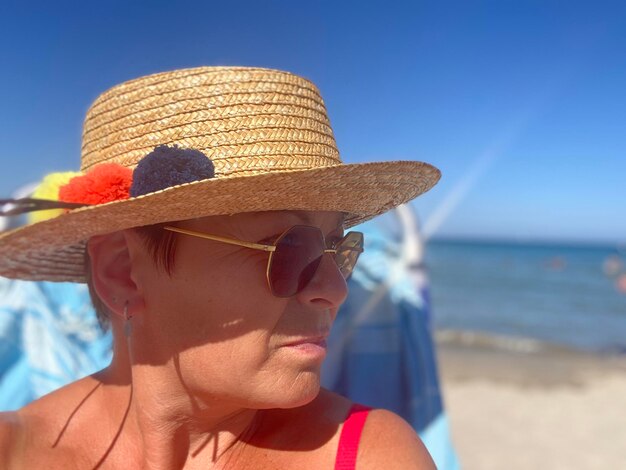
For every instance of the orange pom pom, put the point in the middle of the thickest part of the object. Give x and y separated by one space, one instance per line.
106 182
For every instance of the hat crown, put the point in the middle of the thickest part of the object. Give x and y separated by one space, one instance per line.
246 120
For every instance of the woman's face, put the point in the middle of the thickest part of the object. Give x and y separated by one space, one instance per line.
215 323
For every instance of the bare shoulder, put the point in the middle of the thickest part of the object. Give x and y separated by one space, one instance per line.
17 432
10 431
28 435
389 442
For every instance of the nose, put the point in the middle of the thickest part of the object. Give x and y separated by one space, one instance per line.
328 288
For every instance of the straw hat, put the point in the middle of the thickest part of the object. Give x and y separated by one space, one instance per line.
269 140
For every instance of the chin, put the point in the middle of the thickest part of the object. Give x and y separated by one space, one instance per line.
304 397
298 392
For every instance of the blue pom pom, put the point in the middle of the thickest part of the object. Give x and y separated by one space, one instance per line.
168 166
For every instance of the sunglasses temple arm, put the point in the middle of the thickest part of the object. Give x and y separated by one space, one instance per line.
230 241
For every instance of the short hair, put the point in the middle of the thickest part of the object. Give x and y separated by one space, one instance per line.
161 245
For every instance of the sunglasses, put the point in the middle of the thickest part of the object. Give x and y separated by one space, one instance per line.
296 255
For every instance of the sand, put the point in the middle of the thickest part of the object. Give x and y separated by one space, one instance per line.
518 404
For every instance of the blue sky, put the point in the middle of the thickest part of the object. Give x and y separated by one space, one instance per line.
521 104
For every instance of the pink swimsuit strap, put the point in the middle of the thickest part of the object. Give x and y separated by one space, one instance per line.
350 437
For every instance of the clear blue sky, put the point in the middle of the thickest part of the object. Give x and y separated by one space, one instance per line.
521 104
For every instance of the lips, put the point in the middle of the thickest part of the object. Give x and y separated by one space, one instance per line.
312 348
317 340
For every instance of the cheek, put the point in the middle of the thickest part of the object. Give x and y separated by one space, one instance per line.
218 324
206 303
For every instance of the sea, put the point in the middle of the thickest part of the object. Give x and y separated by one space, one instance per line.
567 295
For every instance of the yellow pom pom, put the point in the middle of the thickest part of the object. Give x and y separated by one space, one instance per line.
49 189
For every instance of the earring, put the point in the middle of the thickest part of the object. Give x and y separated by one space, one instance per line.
128 326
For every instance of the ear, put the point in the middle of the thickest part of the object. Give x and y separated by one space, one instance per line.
111 273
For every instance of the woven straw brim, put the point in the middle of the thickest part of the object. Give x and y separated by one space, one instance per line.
54 250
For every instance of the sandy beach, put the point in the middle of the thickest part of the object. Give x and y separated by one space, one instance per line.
522 404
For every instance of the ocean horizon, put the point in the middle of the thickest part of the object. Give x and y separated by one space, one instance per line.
614 244
564 293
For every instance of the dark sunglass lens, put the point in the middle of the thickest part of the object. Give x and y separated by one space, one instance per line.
296 258
348 251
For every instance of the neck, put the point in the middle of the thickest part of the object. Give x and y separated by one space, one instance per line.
167 427
168 437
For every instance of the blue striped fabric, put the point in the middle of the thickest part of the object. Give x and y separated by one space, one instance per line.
381 352
49 337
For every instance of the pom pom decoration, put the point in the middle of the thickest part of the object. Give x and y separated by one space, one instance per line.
170 166
105 182
49 189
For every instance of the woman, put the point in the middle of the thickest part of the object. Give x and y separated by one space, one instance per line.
208 221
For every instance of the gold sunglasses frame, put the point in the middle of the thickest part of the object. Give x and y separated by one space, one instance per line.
259 246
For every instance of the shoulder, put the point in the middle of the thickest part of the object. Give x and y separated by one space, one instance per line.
388 441
28 436
10 432
25 437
